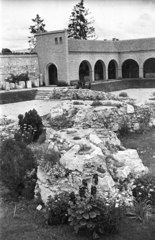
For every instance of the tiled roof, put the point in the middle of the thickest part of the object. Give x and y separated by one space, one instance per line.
142 44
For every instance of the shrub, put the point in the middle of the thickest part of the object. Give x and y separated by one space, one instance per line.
124 128
139 211
123 94
17 166
17 78
62 84
57 209
31 127
43 155
78 103
144 188
89 212
96 103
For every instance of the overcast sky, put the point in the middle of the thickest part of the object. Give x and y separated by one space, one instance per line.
123 19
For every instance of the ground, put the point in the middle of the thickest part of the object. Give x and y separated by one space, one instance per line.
26 223
12 110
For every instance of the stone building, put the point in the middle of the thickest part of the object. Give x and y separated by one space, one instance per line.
63 59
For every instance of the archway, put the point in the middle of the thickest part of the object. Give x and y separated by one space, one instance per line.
112 69
85 71
149 68
130 69
99 70
52 73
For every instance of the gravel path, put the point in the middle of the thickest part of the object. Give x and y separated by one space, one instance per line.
12 110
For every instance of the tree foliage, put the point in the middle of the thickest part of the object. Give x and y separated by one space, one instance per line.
80 25
38 27
6 51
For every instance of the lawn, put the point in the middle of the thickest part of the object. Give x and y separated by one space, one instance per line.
24 222
29 224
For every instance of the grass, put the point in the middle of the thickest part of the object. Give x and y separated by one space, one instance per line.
30 224
145 146
17 96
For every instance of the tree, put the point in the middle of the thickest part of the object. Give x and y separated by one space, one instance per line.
6 51
80 27
39 27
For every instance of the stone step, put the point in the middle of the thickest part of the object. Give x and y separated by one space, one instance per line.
42 95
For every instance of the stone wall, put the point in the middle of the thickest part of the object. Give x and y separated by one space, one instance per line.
18 64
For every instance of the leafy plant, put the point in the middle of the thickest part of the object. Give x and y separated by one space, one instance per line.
139 211
123 94
17 166
31 127
57 209
144 188
92 214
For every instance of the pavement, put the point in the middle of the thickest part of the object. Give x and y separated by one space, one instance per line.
12 110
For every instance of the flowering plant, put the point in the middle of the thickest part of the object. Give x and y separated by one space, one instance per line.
97 215
144 188
57 209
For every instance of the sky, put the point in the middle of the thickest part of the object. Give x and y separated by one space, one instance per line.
122 19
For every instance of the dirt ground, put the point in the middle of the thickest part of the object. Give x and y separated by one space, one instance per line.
12 110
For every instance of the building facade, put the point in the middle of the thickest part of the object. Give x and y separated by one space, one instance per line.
63 59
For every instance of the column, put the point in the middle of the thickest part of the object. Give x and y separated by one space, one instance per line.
141 72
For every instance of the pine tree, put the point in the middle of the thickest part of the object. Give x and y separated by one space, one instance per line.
39 27
80 27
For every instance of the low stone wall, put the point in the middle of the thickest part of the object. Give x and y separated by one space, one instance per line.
116 85
18 64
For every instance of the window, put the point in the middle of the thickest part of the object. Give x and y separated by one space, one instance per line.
56 40
60 39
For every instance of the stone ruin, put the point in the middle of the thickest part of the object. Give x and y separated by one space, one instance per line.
85 136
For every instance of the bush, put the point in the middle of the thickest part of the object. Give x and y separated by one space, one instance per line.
90 213
44 156
78 103
139 211
144 188
17 78
31 127
17 167
57 209
62 84
96 103
123 94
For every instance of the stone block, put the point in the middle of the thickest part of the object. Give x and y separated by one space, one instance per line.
41 79
36 83
7 86
22 84
12 86
29 84
130 109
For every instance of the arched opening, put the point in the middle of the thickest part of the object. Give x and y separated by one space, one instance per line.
85 71
149 68
112 69
99 71
130 69
52 74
